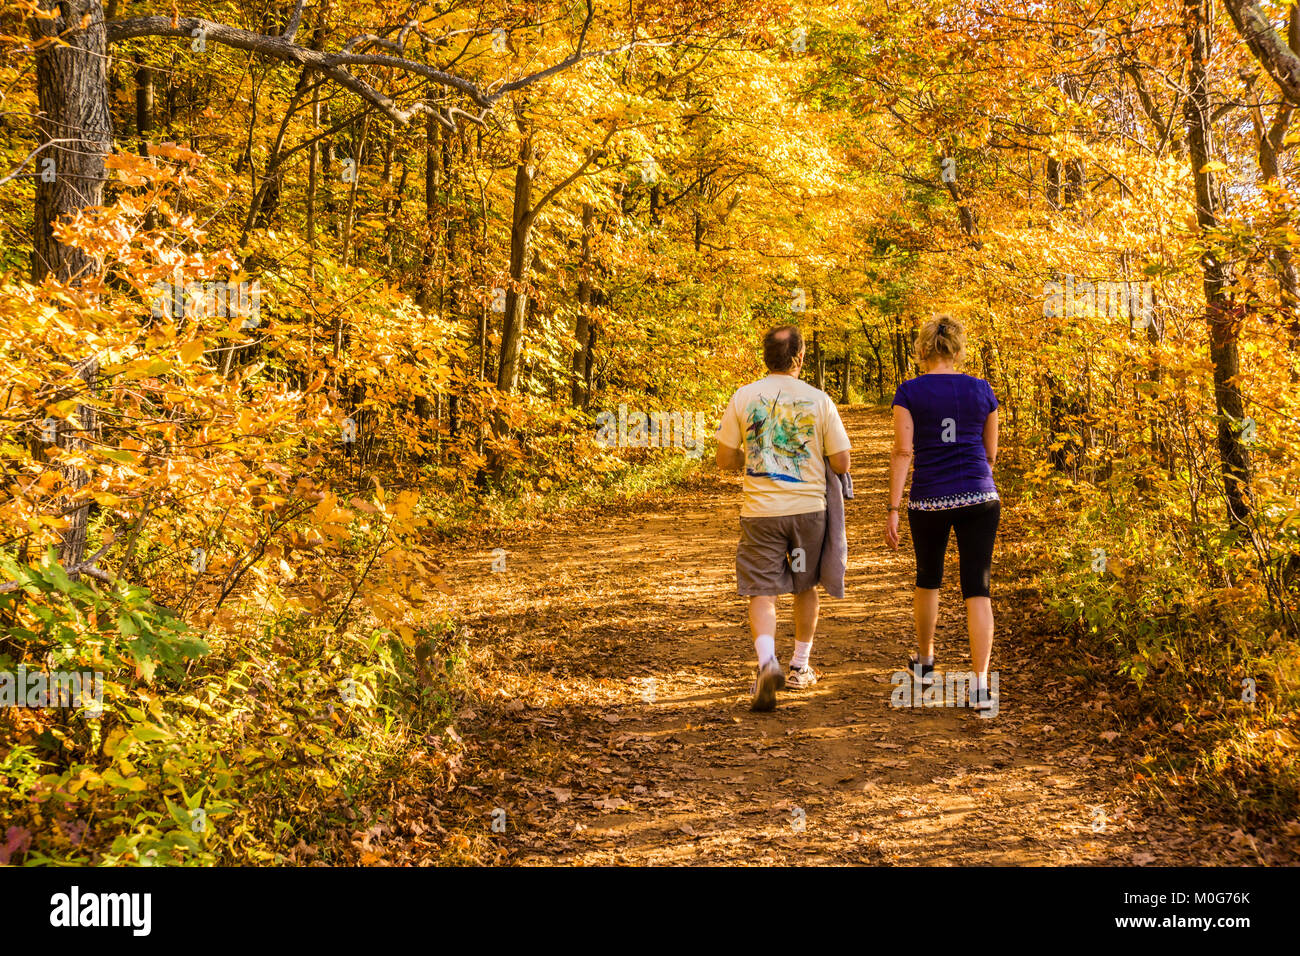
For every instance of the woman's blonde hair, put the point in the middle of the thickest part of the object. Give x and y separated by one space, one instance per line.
941 337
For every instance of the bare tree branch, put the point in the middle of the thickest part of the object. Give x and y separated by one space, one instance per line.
32 155
330 64
373 39
291 28
82 567
1277 58
336 65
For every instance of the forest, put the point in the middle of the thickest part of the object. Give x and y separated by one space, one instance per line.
358 359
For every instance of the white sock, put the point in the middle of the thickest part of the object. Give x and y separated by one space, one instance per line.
982 681
928 659
801 651
765 645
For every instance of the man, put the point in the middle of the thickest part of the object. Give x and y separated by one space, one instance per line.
782 432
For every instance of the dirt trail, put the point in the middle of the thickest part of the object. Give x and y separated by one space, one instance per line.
620 731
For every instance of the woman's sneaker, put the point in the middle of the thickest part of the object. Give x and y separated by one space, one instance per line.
981 702
921 672
769 681
800 678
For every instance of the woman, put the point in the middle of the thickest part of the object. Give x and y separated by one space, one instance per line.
950 422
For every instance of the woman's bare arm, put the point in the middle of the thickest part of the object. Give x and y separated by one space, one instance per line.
900 459
991 437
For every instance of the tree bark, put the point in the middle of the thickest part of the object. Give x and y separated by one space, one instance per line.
819 361
583 329
74 126
521 253
313 162
1272 137
523 215
143 103
432 180
965 212
1217 276
76 132
1278 59
358 158
1052 183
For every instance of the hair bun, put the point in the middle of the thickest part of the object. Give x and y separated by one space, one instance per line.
941 336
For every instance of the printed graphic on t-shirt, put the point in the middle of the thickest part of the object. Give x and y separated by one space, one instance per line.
778 436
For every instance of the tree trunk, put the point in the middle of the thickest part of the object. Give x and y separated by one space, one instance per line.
899 343
965 212
1278 58
76 130
819 361
432 180
880 366
1076 182
143 103
512 333
350 219
72 91
389 199
583 330
588 358
313 156
1272 139
450 223
1052 183
1224 320
313 160
341 334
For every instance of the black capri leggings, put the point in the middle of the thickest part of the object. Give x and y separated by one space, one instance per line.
976 525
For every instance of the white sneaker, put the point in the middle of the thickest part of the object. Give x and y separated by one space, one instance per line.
982 702
800 678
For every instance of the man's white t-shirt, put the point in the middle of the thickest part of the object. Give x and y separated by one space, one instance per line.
787 429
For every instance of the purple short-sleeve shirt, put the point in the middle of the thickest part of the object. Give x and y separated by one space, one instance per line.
950 468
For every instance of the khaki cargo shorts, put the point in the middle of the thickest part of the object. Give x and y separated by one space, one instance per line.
779 555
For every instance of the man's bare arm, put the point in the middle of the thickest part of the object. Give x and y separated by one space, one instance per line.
839 462
730 459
